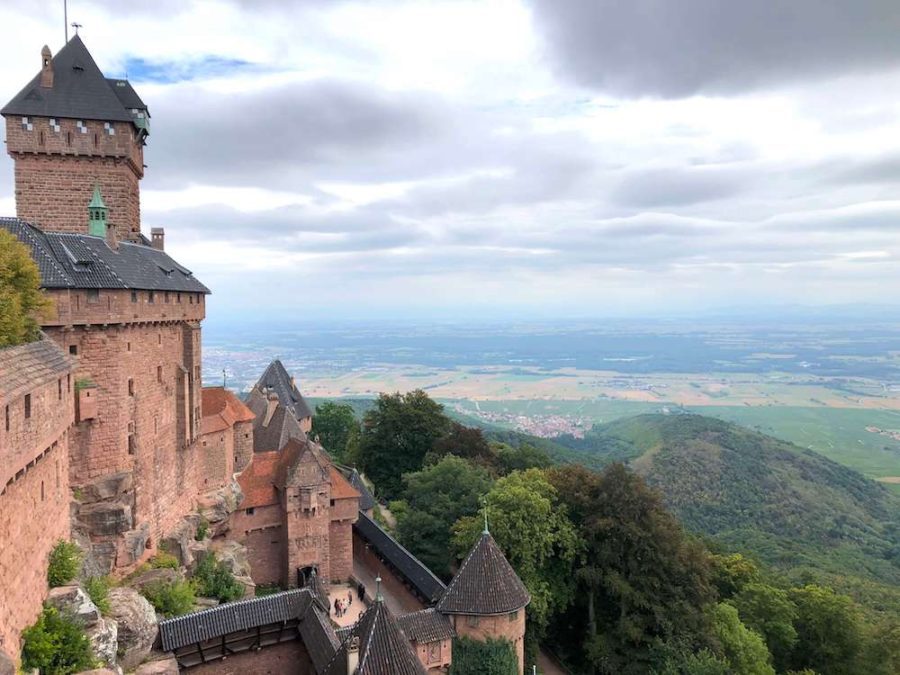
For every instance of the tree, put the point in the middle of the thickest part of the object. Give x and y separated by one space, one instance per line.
829 631
397 433
466 442
56 645
533 530
509 459
433 500
745 649
333 424
770 612
730 573
645 582
491 657
22 302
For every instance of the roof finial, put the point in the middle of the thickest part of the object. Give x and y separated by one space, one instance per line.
76 26
485 510
378 596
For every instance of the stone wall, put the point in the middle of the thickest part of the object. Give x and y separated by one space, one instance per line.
435 656
265 548
56 172
340 541
307 531
243 444
217 458
508 626
34 493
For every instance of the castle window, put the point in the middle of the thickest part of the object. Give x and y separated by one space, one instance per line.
27 406
96 140
250 511
27 124
109 128
93 295
159 373
178 298
42 490
69 383
41 137
150 297
73 350
131 444
434 652
59 389
513 616
81 126
167 296
54 124
331 502
134 296
472 621
7 418
69 138
130 387
191 298
128 346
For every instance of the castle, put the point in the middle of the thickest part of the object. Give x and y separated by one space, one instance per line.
111 439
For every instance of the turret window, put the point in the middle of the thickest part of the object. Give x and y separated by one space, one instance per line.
81 126
54 125
27 124
109 128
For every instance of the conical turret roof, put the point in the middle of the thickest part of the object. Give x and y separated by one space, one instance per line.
383 647
486 583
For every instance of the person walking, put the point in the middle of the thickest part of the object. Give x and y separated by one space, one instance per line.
337 607
349 598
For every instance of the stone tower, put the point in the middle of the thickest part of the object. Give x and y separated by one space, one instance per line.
70 130
486 598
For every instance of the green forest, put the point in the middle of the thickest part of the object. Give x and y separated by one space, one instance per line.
674 545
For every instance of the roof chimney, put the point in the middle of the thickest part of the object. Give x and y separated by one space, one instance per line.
46 67
112 237
271 405
158 238
353 655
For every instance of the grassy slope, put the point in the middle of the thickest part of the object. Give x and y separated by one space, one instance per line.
798 511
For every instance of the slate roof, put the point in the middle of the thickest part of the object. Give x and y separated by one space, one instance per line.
79 91
233 617
282 427
222 410
294 453
276 378
426 625
366 500
319 638
68 260
486 583
383 648
411 568
26 367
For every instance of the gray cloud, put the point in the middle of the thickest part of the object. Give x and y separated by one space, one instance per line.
676 49
676 187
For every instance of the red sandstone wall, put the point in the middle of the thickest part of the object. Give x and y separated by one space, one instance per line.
340 540
34 499
435 656
495 627
56 173
287 658
120 306
307 534
217 459
265 554
243 445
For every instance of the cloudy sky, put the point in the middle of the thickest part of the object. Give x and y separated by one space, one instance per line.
528 158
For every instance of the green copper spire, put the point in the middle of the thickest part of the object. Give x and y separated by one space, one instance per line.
97 214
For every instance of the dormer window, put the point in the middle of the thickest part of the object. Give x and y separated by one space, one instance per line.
109 128
27 124
81 126
54 125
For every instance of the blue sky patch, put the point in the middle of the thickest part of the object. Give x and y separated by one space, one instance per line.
164 72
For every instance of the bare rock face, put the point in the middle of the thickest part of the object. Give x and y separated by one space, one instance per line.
164 575
233 555
106 518
101 671
113 486
248 584
179 542
104 637
217 506
137 625
167 666
73 601
132 545
7 665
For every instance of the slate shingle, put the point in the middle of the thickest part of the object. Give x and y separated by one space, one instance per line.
426 625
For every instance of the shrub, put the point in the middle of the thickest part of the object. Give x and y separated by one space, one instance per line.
97 589
202 529
494 657
65 563
163 560
267 589
170 598
56 645
214 580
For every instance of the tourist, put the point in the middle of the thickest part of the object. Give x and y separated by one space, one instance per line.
349 598
337 607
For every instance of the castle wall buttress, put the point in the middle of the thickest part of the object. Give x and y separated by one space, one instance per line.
307 525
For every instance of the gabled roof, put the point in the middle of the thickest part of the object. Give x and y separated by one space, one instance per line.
222 410
26 367
276 379
233 617
68 260
79 91
340 486
486 583
257 481
383 648
298 452
366 500
413 570
274 433
426 625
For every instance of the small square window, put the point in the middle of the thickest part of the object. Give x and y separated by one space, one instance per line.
109 128
73 350
93 295
27 124
250 511
81 126
54 124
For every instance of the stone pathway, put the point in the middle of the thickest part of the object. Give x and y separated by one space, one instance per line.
353 612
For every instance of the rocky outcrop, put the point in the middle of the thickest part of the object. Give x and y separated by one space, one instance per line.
7 665
233 555
137 625
104 638
216 507
106 488
179 542
106 518
73 601
132 545
164 575
167 666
